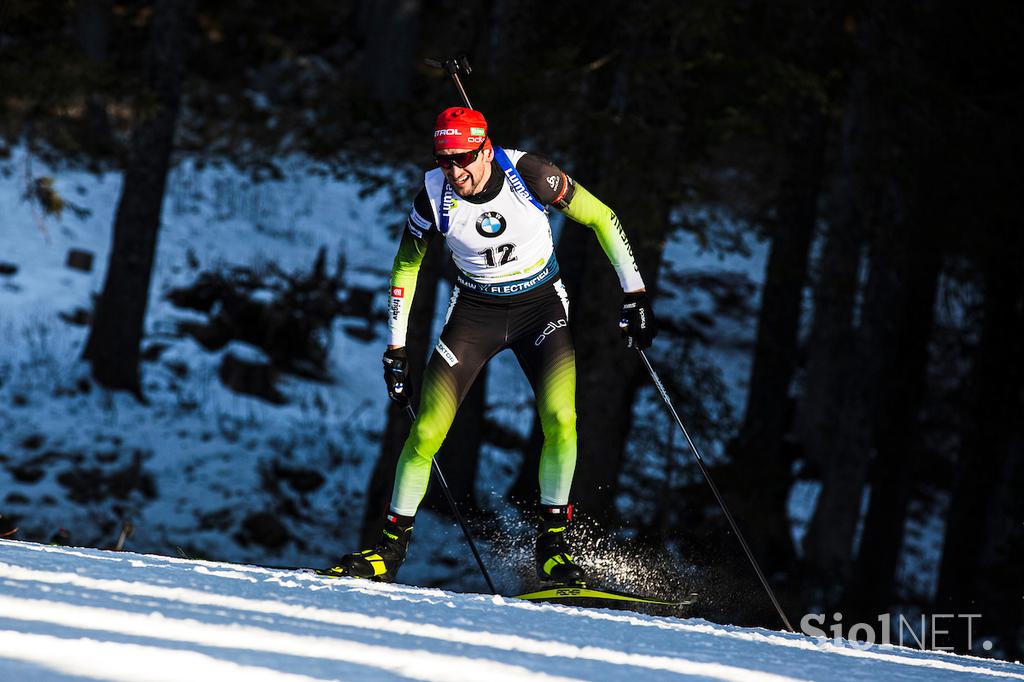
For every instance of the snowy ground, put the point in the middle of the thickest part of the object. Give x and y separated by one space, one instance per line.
205 450
82 614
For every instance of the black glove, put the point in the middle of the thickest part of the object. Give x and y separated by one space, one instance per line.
636 320
396 370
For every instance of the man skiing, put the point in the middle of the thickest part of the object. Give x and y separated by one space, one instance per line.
489 204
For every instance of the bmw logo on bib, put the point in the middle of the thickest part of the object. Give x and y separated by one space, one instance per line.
490 224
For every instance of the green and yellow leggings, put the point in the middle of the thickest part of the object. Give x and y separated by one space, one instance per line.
535 325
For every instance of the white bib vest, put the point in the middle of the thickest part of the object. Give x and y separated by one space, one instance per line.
503 246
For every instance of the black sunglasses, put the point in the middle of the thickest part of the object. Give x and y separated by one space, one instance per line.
446 161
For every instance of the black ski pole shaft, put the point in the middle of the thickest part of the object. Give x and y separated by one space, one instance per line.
455 510
462 90
718 496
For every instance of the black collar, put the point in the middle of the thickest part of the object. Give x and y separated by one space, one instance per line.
492 187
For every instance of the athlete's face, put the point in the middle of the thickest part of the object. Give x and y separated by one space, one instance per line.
473 178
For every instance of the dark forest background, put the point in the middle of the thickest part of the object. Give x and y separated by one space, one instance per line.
875 145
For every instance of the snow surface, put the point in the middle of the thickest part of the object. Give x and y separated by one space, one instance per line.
74 614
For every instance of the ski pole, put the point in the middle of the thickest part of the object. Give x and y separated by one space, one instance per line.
714 489
454 66
455 510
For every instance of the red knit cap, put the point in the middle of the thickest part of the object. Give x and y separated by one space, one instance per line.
459 128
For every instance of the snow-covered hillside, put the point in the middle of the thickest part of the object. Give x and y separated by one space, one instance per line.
200 465
82 614
198 459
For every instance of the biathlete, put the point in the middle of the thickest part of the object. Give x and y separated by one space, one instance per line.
490 205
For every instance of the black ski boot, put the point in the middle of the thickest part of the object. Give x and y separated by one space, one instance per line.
383 561
554 563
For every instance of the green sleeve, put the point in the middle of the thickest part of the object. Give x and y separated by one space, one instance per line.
588 210
404 272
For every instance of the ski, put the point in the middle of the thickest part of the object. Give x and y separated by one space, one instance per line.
576 594
582 595
189 557
565 594
339 572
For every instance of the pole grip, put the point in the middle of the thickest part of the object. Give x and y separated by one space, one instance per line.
456 65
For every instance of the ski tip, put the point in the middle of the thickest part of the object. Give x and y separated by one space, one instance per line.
342 572
333 572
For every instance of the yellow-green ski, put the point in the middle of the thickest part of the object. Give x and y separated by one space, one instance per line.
581 594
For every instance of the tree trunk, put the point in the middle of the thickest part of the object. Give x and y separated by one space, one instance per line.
603 396
119 318
828 544
389 55
607 373
832 418
989 434
1001 565
897 433
396 430
93 34
758 452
